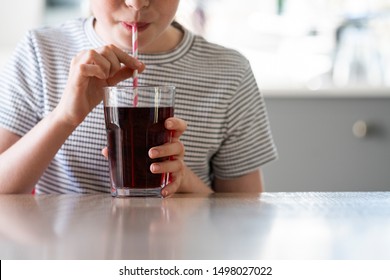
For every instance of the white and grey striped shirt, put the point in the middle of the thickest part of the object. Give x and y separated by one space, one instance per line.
228 132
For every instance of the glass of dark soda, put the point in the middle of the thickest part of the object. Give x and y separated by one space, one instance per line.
135 118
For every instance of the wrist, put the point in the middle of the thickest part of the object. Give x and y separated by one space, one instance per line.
191 183
61 119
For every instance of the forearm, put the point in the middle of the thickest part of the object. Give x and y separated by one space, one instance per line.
249 183
23 163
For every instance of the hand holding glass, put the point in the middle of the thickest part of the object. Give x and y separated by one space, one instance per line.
135 122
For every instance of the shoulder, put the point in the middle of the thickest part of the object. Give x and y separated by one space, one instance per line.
216 54
66 36
71 27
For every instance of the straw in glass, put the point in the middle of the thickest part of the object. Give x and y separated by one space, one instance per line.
135 55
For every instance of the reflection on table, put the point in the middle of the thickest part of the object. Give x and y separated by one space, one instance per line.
220 226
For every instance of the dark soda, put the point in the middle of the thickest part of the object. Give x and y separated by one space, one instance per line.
131 132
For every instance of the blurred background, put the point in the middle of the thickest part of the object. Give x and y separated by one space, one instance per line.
322 65
294 44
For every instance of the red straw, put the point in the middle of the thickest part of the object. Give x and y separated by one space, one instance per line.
135 55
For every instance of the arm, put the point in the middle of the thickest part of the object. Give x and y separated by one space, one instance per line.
23 160
251 182
185 180
248 143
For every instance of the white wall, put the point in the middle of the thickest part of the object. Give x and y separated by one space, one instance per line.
16 17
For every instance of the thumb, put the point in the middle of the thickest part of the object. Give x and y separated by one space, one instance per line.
105 152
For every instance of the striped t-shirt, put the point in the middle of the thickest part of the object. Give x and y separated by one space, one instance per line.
228 132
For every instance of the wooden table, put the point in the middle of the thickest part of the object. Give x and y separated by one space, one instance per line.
345 225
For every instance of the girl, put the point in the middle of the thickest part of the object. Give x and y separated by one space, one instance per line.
51 114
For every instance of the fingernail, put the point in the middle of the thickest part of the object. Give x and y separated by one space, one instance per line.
169 124
155 167
164 193
138 64
153 153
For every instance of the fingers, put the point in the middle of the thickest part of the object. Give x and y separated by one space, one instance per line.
107 63
167 166
175 151
171 188
89 70
177 126
172 150
109 54
123 74
105 152
126 59
175 177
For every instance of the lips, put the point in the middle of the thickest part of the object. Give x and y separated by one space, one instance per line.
141 25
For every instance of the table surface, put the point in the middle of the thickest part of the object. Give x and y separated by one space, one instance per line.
314 225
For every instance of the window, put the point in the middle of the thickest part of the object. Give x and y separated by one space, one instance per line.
301 44
292 44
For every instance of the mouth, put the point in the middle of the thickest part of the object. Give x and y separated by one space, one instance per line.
141 26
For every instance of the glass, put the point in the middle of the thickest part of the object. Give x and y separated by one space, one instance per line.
135 118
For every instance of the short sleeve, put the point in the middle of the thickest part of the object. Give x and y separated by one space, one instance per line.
21 89
248 142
